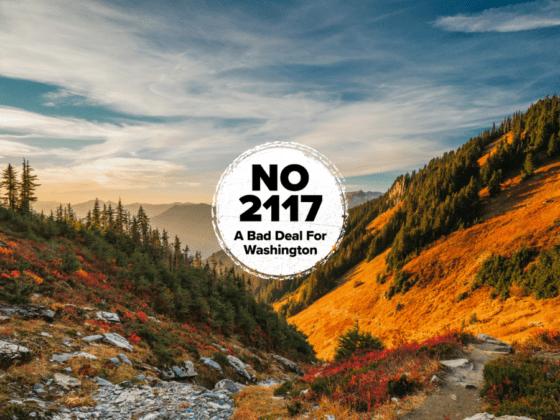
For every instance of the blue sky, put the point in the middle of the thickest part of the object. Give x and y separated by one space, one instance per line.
151 101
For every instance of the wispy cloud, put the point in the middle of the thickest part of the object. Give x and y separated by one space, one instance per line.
192 89
520 17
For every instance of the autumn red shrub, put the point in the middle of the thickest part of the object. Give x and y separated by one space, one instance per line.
366 381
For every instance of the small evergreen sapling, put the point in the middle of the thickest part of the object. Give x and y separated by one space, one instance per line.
356 341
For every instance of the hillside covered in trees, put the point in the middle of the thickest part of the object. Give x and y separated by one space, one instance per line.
440 198
118 260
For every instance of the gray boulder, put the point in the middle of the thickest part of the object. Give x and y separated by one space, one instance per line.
493 345
240 368
91 338
457 363
66 381
185 371
229 386
289 364
9 353
125 359
179 372
102 382
64 357
208 361
118 341
61 358
108 317
188 366
167 374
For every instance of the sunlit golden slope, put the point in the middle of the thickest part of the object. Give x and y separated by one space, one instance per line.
524 213
489 150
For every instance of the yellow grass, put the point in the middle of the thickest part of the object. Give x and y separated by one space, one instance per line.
255 402
76 401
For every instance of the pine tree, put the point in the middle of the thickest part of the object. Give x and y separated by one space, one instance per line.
120 218
10 183
143 224
96 216
198 259
110 218
176 252
135 231
28 187
494 186
88 220
553 146
59 214
164 245
528 168
354 341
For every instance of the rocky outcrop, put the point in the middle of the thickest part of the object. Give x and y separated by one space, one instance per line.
183 371
397 192
457 363
28 312
125 359
92 338
117 340
108 317
491 344
240 368
10 353
64 357
167 400
208 361
228 385
66 381
289 364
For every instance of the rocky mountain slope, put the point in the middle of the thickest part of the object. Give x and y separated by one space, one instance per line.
92 322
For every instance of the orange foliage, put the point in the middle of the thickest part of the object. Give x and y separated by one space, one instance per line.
523 213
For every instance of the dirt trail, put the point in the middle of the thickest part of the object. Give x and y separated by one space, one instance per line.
458 396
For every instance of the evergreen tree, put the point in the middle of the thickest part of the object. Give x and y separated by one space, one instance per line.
528 168
176 252
143 224
553 146
354 341
120 217
494 186
96 216
165 246
10 183
135 231
88 220
28 187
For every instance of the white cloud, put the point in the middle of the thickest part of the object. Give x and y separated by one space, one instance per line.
114 173
98 54
520 17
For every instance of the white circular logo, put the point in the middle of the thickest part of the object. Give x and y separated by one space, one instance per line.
279 210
